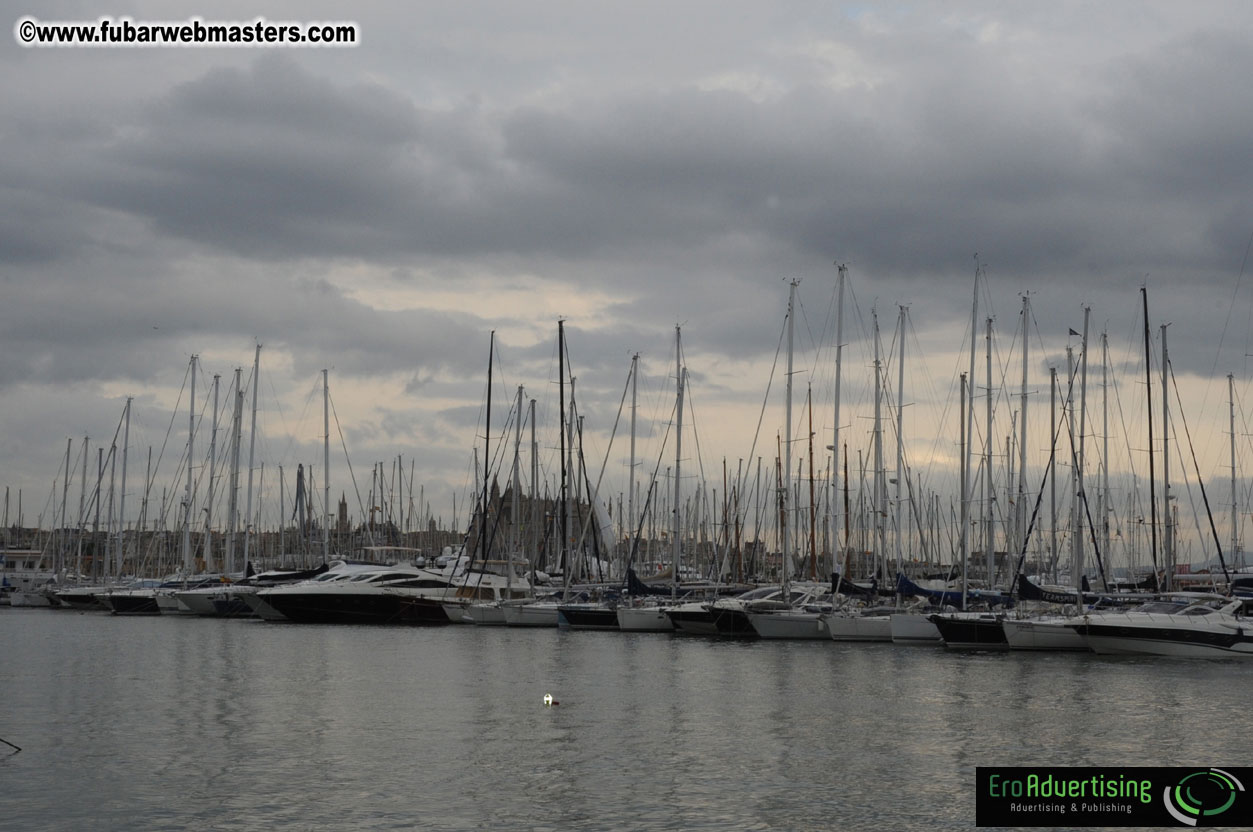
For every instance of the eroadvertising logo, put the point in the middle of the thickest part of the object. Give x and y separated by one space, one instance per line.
1112 796
1202 795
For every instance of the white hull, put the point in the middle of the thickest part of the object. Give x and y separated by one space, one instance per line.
799 625
860 627
1114 646
258 605
485 614
457 612
692 618
1197 631
29 599
169 604
81 597
1049 633
644 620
914 629
197 601
531 615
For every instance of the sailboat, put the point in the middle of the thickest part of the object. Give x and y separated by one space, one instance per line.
854 623
645 614
795 612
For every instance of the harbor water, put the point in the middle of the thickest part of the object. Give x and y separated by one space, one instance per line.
184 723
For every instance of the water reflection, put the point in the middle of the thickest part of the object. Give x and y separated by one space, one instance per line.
177 723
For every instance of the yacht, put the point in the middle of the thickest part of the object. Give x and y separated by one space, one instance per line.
139 598
227 598
386 595
335 571
692 618
730 615
1182 624
82 597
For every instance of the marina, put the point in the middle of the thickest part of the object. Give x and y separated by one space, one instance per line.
552 416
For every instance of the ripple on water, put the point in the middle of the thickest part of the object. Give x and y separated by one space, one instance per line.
188 723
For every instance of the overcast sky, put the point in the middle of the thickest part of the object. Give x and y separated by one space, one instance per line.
480 166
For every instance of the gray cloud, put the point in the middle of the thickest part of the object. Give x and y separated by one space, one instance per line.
634 175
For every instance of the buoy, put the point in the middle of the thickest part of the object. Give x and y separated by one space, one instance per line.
549 701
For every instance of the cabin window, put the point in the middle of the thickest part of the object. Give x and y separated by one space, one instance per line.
475 593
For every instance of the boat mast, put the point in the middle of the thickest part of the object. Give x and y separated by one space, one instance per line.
968 455
121 512
813 531
900 441
143 504
1081 495
1104 501
535 530
326 465
989 493
252 445
187 501
1076 524
1053 474
965 501
1236 516
1168 525
99 567
835 439
63 546
487 449
82 520
561 395
677 550
110 561
1020 512
635 363
232 521
213 452
1148 397
786 490
573 561
515 545
880 491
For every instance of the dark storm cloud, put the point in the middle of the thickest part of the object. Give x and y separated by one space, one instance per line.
132 324
158 203
274 161
35 228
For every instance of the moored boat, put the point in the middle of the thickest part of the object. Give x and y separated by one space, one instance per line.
914 628
971 630
1187 625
